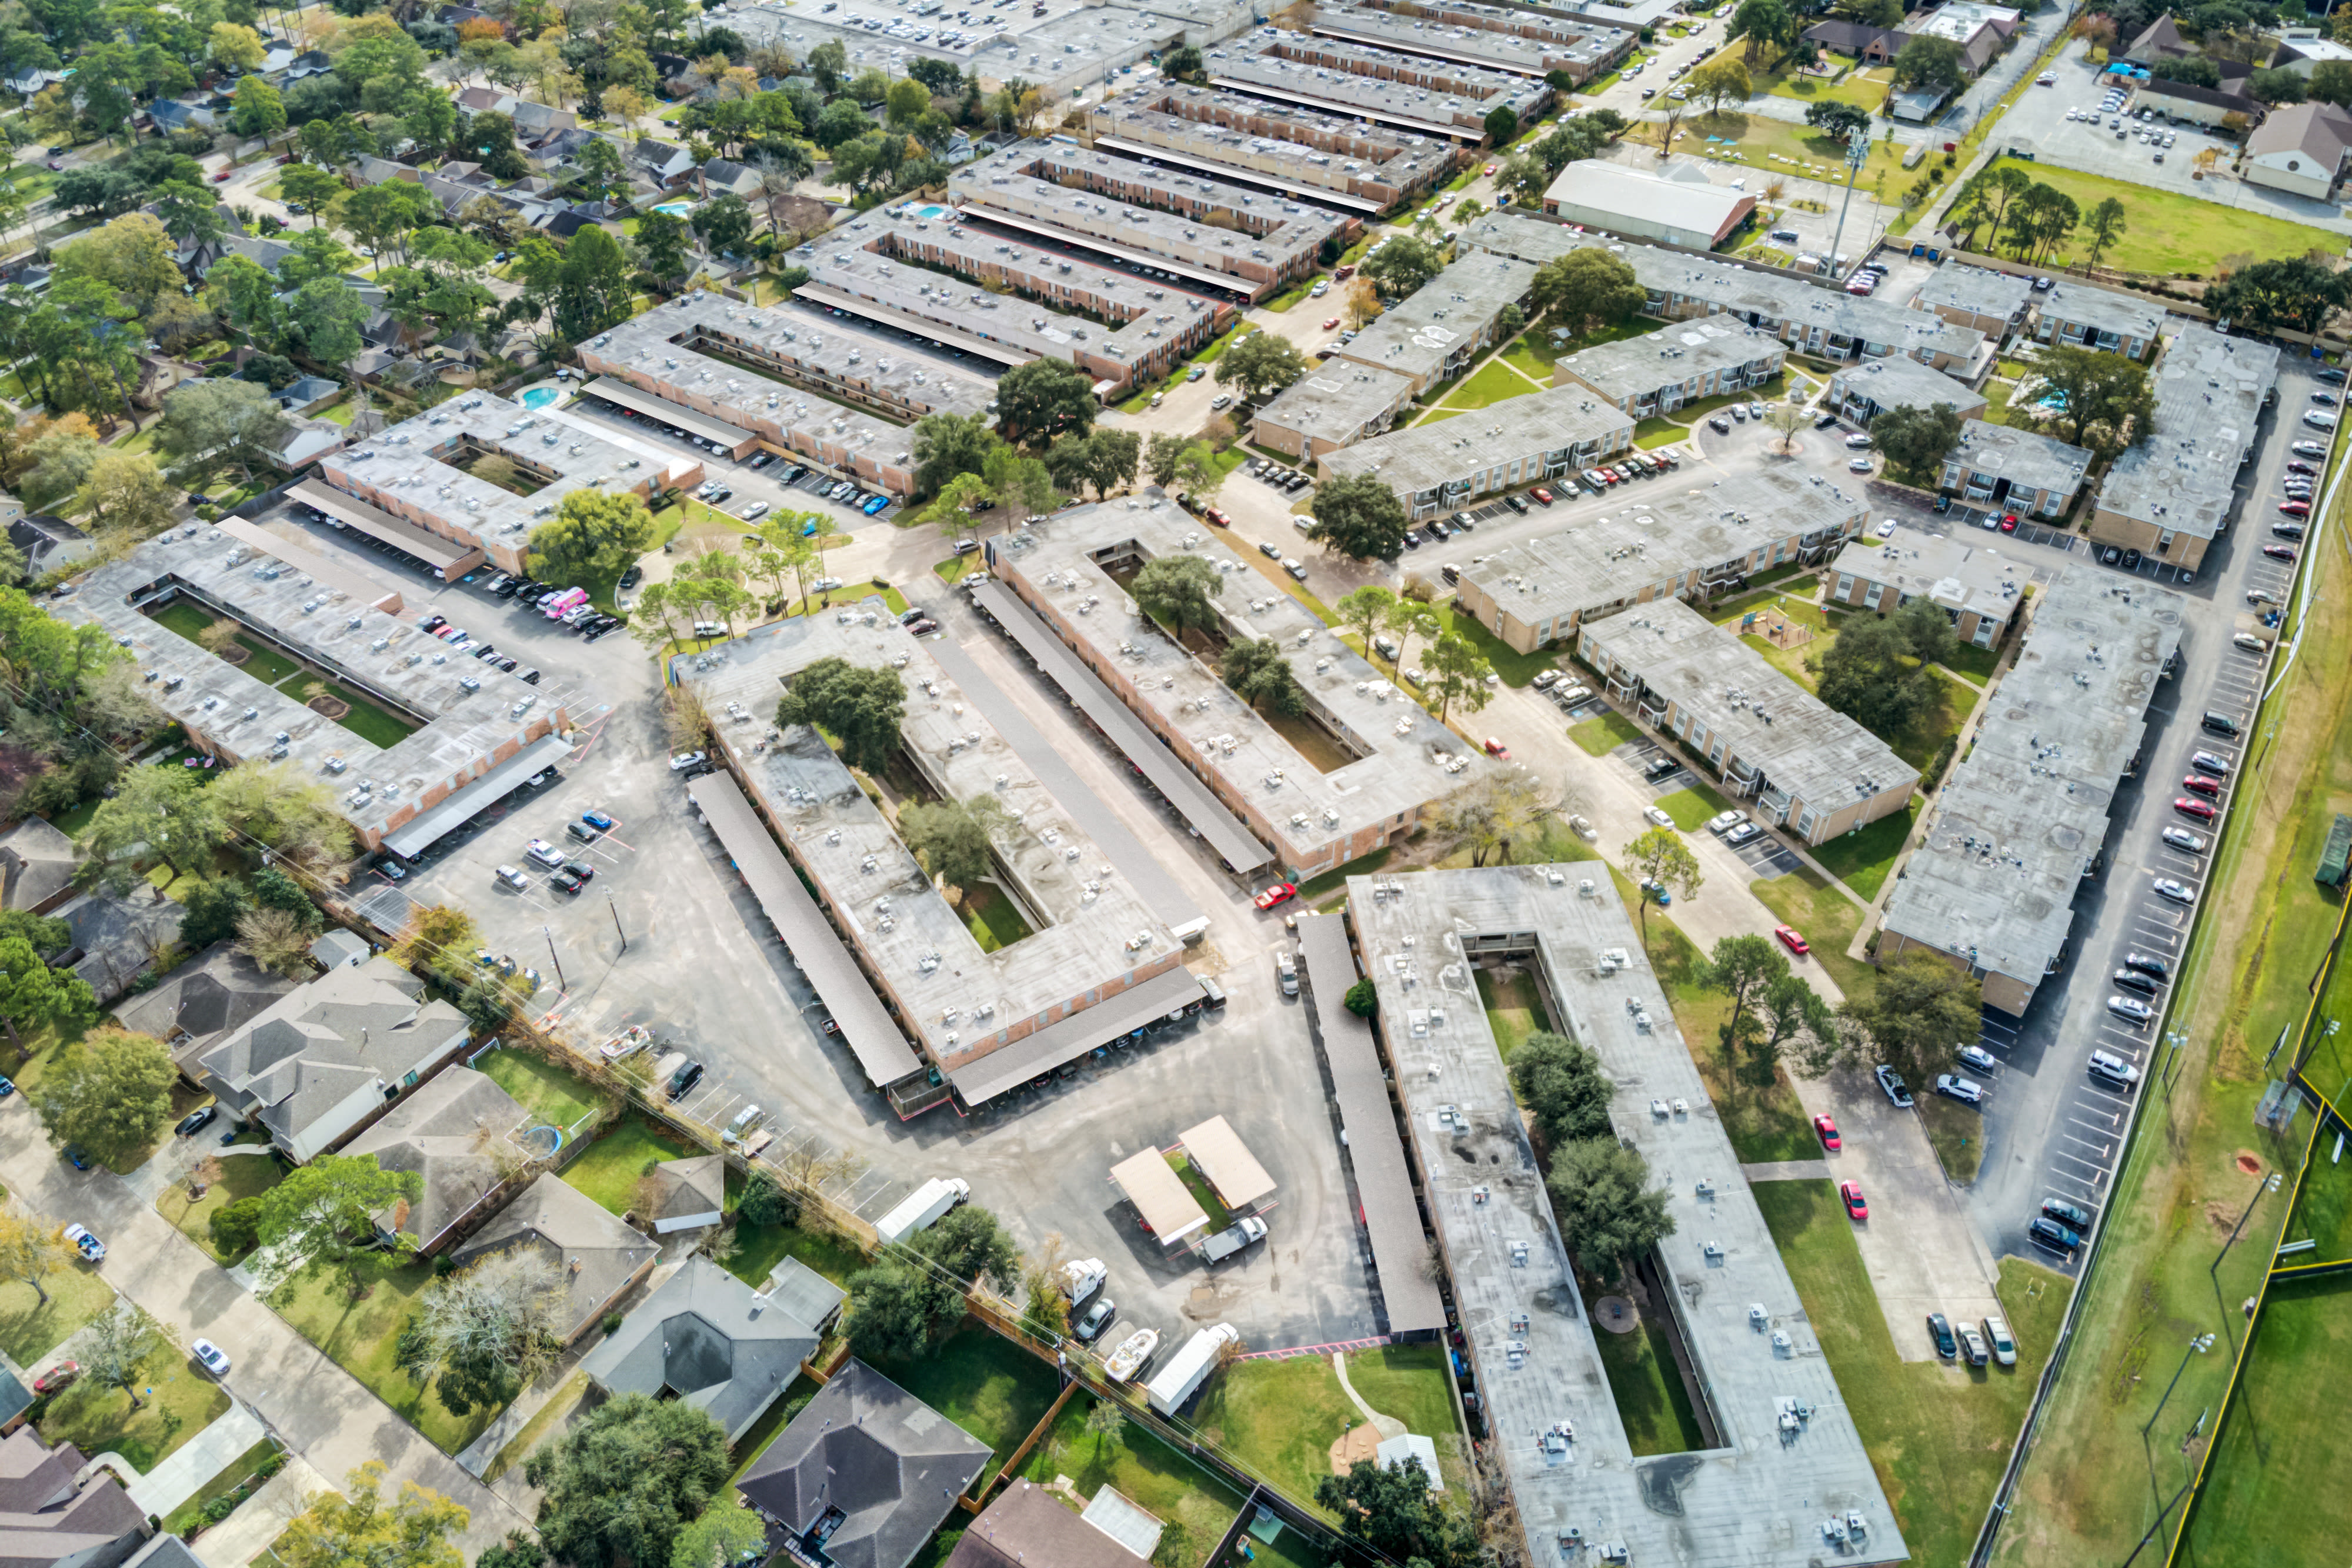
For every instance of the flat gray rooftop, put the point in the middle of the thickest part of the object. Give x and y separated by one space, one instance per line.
1602 559
2013 828
1760 1497
1404 757
1980 290
1426 457
1634 367
465 729
1489 46
1413 336
1950 569
2209 392
1333 401
1095 927
1073 45
1810 750
1361 79
2102 308
1319 155
1065 1041
1898 380
2021 457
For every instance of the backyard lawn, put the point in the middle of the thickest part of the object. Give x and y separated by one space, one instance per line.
1196 1506
1331 881
242 1176
552 1095
982 1382
362 1336
2171 233
30 1330
1864 89
1513 1010
1603 734
176 1403
609 1169
1650 1398
759 1247
1938 1434
1281 1417
1861 860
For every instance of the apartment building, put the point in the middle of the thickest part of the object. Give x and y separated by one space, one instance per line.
2006 468
2080 316
1528 43
1333 406
1969 577
1993 303
2171 495
1801 765
1861 392
1434 98
1657 544
1436 332
1208 234
1437 468
1659 371
1340 162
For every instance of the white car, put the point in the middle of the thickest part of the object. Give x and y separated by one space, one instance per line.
1725 822
1544 677
546 854
685 760
2131 1010
513 878
1859 466
757 508
1657 816
1285 969
1960 1088
92 1249
2319 418
2179 892
210 1356
1887 528
1979 1058
1573 694
1322 287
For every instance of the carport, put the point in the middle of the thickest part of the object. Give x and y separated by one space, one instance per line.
1223 831
448 559
732 439
1218 1152
1012 1066
1368 1123
865 1025
429 826
1148 1182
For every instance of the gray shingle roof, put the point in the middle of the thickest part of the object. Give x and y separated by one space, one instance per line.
587 1242
705 1337
454 1132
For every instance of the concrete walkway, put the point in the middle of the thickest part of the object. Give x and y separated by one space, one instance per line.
190 1466
1788 1171
1388 1427
245 1534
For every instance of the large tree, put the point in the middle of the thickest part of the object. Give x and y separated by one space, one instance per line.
1922 1010
1178 591
1875 672
484 1333
31 1250
947 445
1044 399
1561 1082
1260 671
1928 61
218 422
1499 807
1402 263
1364 610
1457 674
1662 858
1256 365
2105 401
1837 119
1741 970
860 707
35 997
1587 289
1916 440
1392 1510
1765 25
108 1094
1608 1209
594 533
954 837
891 1307
2107 221
1100 458
360 1528
2295 292
624 1484
326 1210
1358 515
1723 79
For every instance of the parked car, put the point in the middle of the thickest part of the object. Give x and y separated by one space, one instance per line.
1957 1088
2131 1010
683 1080
1897 1093
1724 822
685 760
513 878
1098 1318
2072 1216
1825 1128
210 1356
546 854
1973 1345
89 1245
1979 1058
2188 843
1791 941
1278 893
195 1121
1850 1194
2049 1233
2177 891
2201 809
58 1376
1939 1329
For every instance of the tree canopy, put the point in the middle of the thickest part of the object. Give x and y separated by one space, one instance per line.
594 533
1259 670
1178 592
1916 440
1044 399
1928 61
109 1093
1600 1190
953 837
1392 1509
326 1209
1586 290
2295 292
1875 673
860 707
1400 264
1561 1082
1918 1014
2105 401
624 1484
1358 515
1256 365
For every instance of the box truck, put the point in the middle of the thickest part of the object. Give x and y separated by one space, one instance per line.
570 599
1188 1369
1233 1238
922 1209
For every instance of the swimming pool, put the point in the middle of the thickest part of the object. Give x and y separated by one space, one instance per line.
540 396
931 212
675 209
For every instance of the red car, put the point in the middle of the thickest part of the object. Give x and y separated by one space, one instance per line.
1278 893
2009 523
2279 551
1495 748
57 1378
1331 324
2201 810
1220 519
2295 507
1541 494
222 175
1854 1207
1791 941
1827 1127
2202 784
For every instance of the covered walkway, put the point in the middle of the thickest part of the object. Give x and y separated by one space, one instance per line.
732 439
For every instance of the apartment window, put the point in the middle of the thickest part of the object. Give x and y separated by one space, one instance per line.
1805 823
1845 585
1871 598
1714 753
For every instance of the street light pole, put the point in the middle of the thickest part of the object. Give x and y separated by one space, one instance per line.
1857 153
617 919
553 958
2197 1346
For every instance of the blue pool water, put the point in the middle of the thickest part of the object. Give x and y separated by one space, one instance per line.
675 209
930 212
540 396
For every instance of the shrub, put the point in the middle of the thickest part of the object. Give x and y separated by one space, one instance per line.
612 1323
1362 1000
765 1202
236 1228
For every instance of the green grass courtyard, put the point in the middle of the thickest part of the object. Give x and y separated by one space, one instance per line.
1195 1506
609 1169
2169 234
356 1313
1280 1417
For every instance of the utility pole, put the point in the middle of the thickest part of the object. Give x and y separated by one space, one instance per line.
560 980
2197 1346
1857 153
617 919
2269 1183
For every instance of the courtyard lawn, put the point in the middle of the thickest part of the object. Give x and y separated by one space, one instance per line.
1281 1417
1825 916
361 1336
953 568
1602 734
242 1176
1861 860
176 1403
1755 143
1513 1010
2277 1475
183 617
1938 1434
263 662
30 1330
1337 876
1692 807
1517 668
1196 1506
552 1095
2175 235
1864 89
994 920
1494 381
377 725
759 1247
1648 1388
1653 434
609 1170
982 1382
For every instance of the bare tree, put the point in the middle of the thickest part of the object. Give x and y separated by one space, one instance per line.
31 1251
115 1347
489 1329
1668 126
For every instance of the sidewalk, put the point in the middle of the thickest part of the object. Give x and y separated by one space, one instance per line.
195 1462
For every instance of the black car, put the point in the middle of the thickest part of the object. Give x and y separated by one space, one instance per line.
2131 560
432 622
1825 421
565 880
633 576
2049 1233
2220 723
196 1120
582 869
392 869
582 832
685 1078
488 650
1939 1329
508 665
2072 1216
1719 425
508 590
1517 504
1659 767
529 678
2331 376
2132 980
2147 964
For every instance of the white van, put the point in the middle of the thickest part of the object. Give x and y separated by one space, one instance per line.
2319 418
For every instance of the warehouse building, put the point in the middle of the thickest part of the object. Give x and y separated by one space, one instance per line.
1345 163
1659 371
1431 97
2021 820
1438 330
1979 587
1208 234
2173 493
1520 441
1681 207
1528 43
1801 765
1333 406
1688 544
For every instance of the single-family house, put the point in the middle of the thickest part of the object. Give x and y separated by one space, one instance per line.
598 1258
458 1134
37 867
660 161
48 543
706 1338
191 1008
1029 1527
305 391
117 939
724 175
322 1061
693 1192
53 1518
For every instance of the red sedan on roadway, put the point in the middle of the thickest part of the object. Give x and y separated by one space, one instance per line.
1331 324
2201 809
1854 1207
1791 941
1827 1127
1280 893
